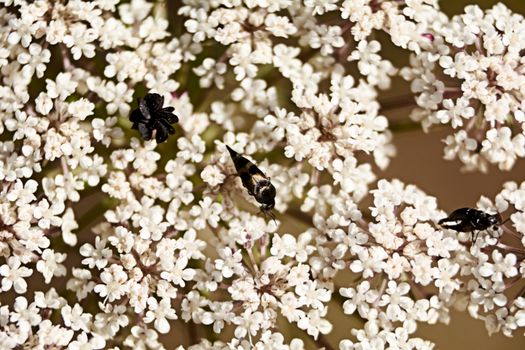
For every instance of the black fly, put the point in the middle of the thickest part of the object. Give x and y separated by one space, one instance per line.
471 220
257 184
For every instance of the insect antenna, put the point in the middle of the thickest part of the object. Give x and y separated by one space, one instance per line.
272 215
505 221
267 213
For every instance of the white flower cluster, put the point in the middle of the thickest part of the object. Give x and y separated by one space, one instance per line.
470 76
497 265
400 257
110 241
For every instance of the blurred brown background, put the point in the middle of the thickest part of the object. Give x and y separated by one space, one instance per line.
419 161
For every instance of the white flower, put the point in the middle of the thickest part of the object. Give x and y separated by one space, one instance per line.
64 86
321 6
159 313
25 316
396 302
49 300
360 298
502 148
113 285
118 97
153 29
117 186
50 266
279 26
82 342
314 324
190 246
111 319
501 266
369 261
212 175
324 37
488 297
243 62
75 318
211 72
56 31
284 246
248 323
206 212
456 112
125 64
80 40
96 256
291 307
444 274
43 103
179 273
48 216
22 193
476 50
353 178
422 269
229 263
81 108
104 130
68 225
34 239
281 80
192 149
135 11
310 295
34 60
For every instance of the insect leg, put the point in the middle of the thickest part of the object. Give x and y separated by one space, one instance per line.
475 234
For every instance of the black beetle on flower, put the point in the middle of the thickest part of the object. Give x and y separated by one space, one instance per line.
151 117
471 220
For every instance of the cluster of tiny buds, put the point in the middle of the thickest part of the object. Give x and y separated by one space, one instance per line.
141 142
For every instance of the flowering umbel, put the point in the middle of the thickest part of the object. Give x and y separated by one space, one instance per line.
151 116
106 242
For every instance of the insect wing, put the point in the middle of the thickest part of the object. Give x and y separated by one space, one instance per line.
459 220
243 166
241 163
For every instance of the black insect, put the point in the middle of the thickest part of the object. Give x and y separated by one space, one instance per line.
150 116
257 184
471 220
